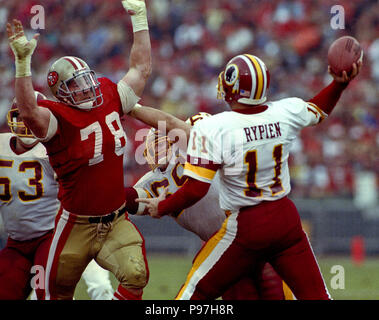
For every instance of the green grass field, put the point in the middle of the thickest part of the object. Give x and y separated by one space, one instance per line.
168 272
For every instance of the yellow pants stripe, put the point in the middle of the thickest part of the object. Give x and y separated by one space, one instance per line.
203 255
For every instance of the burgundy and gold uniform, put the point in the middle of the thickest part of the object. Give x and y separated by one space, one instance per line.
28 205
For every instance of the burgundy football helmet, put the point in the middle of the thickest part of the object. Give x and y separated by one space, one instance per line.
245 79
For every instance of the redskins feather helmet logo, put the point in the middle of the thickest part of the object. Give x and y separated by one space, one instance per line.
52 78
231 74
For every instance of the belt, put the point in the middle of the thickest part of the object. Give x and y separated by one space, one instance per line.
107 218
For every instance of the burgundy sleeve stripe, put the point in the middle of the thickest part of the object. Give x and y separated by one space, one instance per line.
203 163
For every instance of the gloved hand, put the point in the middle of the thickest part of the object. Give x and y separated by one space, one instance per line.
22 48
137 11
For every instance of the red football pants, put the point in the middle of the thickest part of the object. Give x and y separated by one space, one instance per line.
16 260
270 231
262 284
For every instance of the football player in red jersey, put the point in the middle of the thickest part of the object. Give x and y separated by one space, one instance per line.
85 141
28 206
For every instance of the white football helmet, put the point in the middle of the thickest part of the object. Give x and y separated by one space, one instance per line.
72 81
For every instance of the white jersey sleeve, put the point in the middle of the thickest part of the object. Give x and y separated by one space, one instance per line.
204 218
301 113
28 191
127 96
204 152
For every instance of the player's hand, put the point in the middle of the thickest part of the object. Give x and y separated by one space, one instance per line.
21 46
134 7
152 204
137 11
344 78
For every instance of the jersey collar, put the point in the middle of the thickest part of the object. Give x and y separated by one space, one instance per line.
252 110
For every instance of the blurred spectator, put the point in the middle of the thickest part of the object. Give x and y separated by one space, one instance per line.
192 40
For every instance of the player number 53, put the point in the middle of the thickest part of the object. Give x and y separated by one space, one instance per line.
34 182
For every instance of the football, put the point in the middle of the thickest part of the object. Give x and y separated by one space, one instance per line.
342 53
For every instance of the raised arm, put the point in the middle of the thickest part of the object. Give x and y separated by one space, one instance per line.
327 99
140 54
152 117
36 118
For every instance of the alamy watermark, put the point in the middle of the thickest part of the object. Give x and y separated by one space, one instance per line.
338 17
337 282
38 20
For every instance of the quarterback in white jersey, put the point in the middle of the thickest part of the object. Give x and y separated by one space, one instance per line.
249 148
28 206
203 218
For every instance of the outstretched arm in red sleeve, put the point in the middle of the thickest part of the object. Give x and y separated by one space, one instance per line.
190 193
327 99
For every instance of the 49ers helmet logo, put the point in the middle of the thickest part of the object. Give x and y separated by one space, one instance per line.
52 78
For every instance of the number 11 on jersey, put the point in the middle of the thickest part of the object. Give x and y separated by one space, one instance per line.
252 189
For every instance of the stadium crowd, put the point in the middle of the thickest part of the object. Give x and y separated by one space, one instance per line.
191 42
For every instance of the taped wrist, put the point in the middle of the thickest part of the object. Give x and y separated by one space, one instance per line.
23 67
139 19
139 22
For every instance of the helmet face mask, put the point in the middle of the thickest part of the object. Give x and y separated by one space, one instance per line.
17 126
72 82
158 149
245 80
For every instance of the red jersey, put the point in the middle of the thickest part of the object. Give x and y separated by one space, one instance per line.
87 154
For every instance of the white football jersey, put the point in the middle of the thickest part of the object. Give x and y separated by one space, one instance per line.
250 150
204 218
28 191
